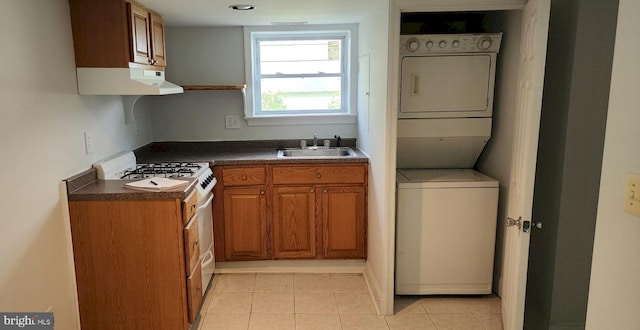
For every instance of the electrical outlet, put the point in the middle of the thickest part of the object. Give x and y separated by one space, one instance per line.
632 200
231 121
88 143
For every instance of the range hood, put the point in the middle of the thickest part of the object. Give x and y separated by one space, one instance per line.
124 81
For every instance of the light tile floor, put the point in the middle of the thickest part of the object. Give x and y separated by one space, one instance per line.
333 301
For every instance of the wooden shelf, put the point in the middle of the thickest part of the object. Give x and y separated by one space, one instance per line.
213 87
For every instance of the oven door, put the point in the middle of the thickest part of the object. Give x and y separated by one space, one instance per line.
447 86
205 224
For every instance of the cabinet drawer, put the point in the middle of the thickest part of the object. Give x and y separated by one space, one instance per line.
194 293
323 174
189 207
191 245
243 176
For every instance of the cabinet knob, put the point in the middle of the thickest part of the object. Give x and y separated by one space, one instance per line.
261 192
244 177
324 190
318 175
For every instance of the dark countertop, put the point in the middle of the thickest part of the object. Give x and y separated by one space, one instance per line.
236 153
86 186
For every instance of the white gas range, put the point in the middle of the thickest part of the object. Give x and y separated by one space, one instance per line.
124 167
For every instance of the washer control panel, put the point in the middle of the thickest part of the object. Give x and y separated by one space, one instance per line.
450 43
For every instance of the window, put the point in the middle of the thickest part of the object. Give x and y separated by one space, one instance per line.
301 76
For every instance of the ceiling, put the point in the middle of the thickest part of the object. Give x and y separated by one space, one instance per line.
218 13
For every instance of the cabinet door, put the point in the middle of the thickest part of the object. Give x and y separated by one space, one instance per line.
157 40
343 214
140 41
294 225
245 223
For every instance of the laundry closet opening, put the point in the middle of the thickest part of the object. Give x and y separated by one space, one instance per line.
457 90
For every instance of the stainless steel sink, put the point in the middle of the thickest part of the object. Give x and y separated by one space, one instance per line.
319 152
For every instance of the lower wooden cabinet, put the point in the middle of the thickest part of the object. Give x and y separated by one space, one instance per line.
132 264
291 212
245 223
294 222
343 219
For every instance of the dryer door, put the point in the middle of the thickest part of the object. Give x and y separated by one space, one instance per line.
445 86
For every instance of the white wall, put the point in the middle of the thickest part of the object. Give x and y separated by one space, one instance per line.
374 138
614 295
42 127
215 56
200 116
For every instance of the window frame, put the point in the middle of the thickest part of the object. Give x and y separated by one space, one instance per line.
347 112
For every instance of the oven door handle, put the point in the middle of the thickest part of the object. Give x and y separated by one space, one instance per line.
207 259
206 204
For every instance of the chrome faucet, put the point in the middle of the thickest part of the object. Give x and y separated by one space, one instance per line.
315 140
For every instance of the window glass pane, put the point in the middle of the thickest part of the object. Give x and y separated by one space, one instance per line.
296 94
300 56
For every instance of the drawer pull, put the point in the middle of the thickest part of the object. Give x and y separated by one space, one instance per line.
261 192
318 175
244 177
324 190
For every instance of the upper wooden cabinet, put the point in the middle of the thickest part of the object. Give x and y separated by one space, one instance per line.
157 40
116 34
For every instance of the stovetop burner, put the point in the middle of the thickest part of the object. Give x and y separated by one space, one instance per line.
166 170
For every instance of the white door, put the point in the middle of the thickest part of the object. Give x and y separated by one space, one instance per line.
535 26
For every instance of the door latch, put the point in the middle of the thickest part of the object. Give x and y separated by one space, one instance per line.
525 225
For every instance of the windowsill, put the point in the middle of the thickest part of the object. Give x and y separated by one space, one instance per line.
300 120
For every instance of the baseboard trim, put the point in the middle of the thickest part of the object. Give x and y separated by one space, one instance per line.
291 266
374 289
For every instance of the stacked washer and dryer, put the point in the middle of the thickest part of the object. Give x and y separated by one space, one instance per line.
446 211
